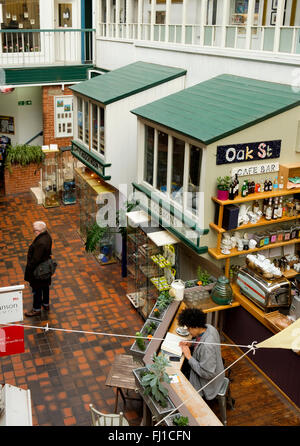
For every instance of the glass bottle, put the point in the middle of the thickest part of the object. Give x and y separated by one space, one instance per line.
270 185
231 190
236 184
266 185
255 206
244 191
280 185
269 210
275 209
265 205
279 210
275 184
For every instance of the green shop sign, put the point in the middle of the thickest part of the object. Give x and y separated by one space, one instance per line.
170 218
90 160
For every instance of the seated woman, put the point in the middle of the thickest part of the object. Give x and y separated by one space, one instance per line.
203 359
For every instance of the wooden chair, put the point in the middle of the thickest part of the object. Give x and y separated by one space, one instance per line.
104 419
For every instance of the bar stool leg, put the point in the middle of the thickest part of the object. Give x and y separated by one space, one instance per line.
222 406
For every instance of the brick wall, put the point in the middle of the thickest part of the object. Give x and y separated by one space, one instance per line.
49 94
21 179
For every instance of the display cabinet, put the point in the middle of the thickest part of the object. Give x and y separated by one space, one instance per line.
289 222
151 269
89 188
66 176
50 180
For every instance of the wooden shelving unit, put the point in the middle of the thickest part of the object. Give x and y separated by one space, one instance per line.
216 252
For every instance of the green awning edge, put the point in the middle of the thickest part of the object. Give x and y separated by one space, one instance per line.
86 163
177 214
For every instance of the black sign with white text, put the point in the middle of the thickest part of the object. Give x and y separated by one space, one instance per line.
239 153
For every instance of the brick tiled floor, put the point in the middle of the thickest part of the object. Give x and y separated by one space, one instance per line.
66 371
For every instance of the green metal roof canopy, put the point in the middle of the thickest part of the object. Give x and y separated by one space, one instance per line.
220 106
126 81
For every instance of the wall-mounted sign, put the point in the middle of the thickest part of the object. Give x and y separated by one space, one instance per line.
256 169
11 307
254 151
11 340
7 125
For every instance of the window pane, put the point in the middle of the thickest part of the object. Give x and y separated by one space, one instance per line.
102 130
86 122
149 154
95 127
194 176
79 119
177 169
162 161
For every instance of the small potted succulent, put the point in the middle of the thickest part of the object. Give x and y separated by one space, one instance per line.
143 338
223 184
161 305
177 420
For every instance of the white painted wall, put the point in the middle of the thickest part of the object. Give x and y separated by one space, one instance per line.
200 64
28 118
121 131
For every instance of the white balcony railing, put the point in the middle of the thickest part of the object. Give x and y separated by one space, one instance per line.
46 47
232 36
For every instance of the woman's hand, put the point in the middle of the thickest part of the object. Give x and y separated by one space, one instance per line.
185 350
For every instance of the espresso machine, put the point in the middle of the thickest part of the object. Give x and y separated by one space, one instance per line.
295 304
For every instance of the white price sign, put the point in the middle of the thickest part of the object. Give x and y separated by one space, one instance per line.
11 305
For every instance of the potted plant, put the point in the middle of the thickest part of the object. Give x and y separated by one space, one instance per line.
143 338
223 184
177 420
151 381
161 305
22 161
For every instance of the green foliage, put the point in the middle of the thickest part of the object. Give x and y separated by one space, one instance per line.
140 342
150 327
23 155
179 420
163 301
154 378
95 233
203 276
223 183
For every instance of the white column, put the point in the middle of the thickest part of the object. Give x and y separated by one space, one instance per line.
250 20
279 22
140 18
118 18
203 13
128 17
108 17
225 21
184 9
168 12
152 20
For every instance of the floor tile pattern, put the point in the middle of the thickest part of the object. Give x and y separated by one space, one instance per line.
66 371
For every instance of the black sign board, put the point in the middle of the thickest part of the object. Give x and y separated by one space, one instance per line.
253 151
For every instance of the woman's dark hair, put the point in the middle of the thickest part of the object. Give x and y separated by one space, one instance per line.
192 317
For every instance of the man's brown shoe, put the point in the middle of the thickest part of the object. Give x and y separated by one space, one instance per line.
32 313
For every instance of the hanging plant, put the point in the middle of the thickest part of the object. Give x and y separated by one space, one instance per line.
22 154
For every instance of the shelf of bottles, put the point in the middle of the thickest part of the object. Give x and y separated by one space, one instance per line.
67 187
49 180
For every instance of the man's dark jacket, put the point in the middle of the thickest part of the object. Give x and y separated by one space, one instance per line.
38 252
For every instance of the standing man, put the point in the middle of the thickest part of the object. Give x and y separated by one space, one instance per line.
203 359
38 252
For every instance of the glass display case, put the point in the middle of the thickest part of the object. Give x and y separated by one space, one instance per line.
151 269
89 187
49 179
67 187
